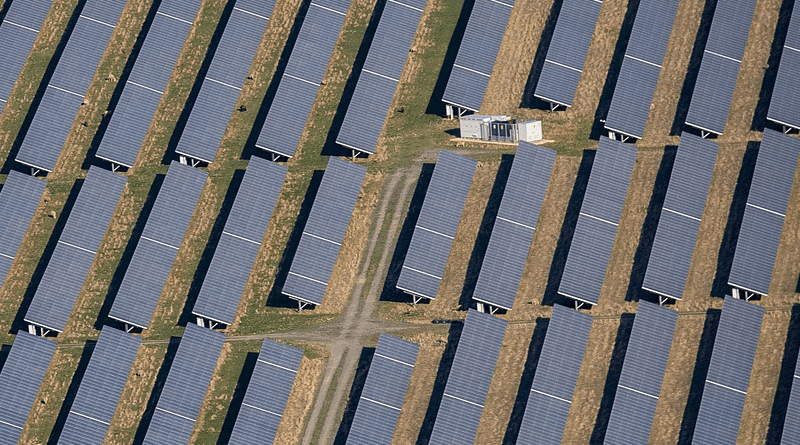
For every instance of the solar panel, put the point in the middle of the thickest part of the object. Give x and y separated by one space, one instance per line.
568 48
716 79
20 379
77 246
636 85
469 379
378 80
556 376
783 108
676 235
158 245
147 82
240 240
298 86
642 374
100 388
476 55
791 425
596 229
324 232
53 117
514 226
436 226
19 30
224 80
185 387
19 197
384 392
728 373
762 224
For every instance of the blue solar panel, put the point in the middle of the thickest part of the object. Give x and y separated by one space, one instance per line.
791 425
783 107
19 30
19 198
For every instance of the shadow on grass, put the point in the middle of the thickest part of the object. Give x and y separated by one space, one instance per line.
161 378
238 397
528 100
74 385
435 104
441 380
785 380
364 362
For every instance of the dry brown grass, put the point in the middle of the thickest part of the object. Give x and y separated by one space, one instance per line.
301 399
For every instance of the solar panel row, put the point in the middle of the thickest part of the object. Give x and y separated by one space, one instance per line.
19 198
469 379
267 394
384 392
19 30
100 389
76 249
514 226
53 117
783 108
224 80
436 225
298 86
567 52
158 245
556 376
728 373
147 81
380 75
598 220
791 425
476 55
679 223
636 85
324 232
240 240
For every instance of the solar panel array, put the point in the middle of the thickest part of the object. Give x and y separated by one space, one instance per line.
477 53
240 240
679 223
728 373
324 231
567 52
437 224
716 78
380 75
185 388
147 81
100 389
384 392
298 86
598 220
224 80
556 376
20 379
762 224
791 425
53 117
642 374
267 394
783 107
469 379
19 30
76 249
19 198
514 226
636 84
158 245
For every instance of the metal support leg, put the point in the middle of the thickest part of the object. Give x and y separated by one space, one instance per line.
704 134
662 300
114 167
128 328
35 171
578 304
492 310
415 299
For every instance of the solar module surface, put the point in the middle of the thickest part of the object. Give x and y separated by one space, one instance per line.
76 249
56 111
679 223
728 373
185 387
556 376
791 425
476 55
514 226
469 379
596 229
19 197
642 374
147 81
783 107
238 245
384 392
324 231
436 225
20 379
18 31
158 245
100 389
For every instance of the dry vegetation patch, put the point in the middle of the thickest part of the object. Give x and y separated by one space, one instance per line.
301 399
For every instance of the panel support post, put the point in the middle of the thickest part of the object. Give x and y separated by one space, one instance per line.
415 299
448 111
128 328
32 329
735 294
662 300
35 171
492 310
114 167
578 304
301 305
705 134
201 322
480 307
